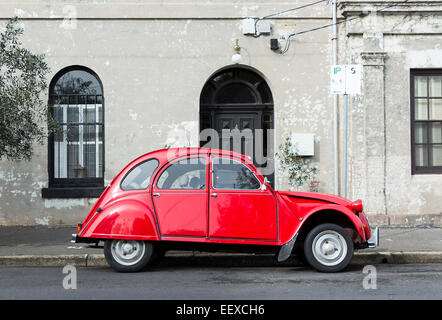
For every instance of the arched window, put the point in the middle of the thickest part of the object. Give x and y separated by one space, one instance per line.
76 151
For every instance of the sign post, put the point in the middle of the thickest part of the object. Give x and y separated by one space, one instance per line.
345 79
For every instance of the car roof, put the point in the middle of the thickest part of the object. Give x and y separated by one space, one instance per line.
172 153
168 154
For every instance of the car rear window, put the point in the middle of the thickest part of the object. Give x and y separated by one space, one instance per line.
138 178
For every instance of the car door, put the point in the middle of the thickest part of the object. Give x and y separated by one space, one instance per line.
180 195
238 207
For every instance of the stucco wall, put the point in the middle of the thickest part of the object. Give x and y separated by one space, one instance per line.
390 44
153 60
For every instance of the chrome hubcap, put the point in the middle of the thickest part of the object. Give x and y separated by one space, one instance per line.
329 248
127 252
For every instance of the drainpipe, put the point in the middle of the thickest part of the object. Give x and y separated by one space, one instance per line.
335 102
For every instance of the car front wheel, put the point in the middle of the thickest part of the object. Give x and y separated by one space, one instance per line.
128 255
328 248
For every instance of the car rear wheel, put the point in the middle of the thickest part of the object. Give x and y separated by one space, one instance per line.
128 255
328 248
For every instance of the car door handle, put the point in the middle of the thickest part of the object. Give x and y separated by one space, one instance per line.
156 195
214 195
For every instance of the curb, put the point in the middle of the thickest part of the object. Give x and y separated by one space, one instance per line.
219 260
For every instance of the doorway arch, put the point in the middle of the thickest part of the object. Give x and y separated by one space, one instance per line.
239 98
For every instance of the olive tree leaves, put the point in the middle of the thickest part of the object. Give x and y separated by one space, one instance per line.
23 114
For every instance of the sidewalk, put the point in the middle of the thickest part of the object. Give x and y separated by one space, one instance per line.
50 246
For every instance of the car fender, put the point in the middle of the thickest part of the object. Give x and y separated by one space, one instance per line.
126 218
357 223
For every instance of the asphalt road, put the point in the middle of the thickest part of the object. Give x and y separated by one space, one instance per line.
392 282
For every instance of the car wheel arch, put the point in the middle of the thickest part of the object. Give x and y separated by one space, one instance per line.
132 213
330 214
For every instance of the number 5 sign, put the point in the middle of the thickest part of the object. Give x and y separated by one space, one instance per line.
345 79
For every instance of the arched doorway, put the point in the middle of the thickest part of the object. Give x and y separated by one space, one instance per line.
236 102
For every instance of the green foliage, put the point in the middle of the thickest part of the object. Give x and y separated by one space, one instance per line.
298 168
24 116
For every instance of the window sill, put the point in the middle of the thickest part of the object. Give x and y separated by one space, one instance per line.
72 192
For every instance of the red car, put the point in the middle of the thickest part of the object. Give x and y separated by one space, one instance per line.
213 200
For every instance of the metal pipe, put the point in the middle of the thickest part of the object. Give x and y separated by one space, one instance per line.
335 102
344 147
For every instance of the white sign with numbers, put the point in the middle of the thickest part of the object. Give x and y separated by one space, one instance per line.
345 79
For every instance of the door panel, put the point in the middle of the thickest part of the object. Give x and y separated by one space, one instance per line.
241 210
180 198
182 213
244 215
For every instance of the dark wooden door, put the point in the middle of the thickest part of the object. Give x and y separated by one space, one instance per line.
236 132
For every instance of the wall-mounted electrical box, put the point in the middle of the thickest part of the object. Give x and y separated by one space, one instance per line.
248 26
304 143
252 26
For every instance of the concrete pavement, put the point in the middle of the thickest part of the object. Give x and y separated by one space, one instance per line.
50 246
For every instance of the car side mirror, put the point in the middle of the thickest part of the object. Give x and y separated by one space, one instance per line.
264 185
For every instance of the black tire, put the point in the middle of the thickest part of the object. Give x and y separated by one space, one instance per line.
116 261
328 248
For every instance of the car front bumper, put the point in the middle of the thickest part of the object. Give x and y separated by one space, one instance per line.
77 239
373 242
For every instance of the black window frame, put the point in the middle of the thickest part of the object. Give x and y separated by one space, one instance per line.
414 168
74 187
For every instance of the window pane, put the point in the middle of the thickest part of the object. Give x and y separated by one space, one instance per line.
89 113
74 169
420 109
265 93
73 133
184 174
139 177
436 132
235 93
420 133
77 82
435 86
420 86
421 156
100 113
435 109
231 174
89 133
437 155
58 113
89 159
100 161
73 113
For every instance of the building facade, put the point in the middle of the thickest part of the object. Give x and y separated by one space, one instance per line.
132 77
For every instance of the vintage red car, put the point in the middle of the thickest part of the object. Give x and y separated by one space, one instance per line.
214 200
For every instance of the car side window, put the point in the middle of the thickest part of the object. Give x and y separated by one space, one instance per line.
139 177
232 174
188 173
